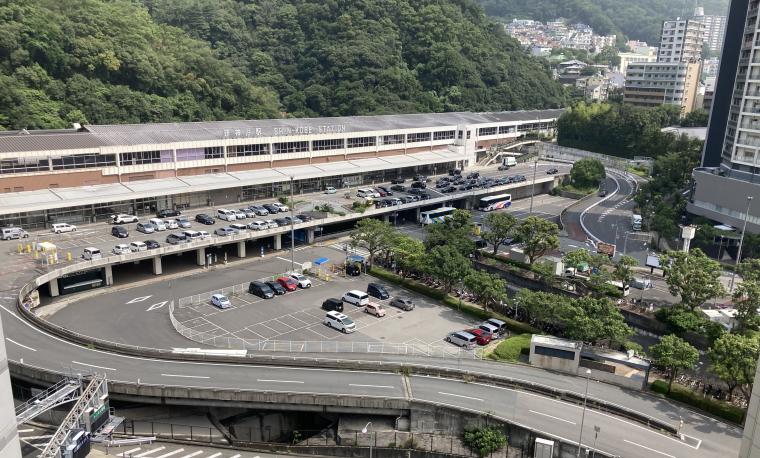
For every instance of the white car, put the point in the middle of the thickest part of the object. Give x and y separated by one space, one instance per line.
159 224
225 231
171 224
339 321
271 224
239 214
238 226
138 246
302 280
258 225
204 234
62 227
122 218
281 207
121 248
330 190
221 301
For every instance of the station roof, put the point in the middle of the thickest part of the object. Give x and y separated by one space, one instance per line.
94 136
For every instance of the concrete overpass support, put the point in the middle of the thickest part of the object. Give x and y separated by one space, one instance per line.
387 218
157 266
241 249
200 258
417 215
278 242
310 235
109 274
54 288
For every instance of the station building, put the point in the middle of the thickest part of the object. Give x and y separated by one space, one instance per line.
87 173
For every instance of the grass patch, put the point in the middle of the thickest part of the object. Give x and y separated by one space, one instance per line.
511 348
569 187
717 408
640 171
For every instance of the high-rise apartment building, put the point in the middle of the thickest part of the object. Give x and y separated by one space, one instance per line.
681 40
715 29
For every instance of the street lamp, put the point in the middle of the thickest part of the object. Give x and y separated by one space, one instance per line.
583 415
364 431
292 229
741 242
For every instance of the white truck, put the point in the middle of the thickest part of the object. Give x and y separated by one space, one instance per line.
636 221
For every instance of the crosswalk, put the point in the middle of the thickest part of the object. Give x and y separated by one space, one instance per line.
342 247
164 451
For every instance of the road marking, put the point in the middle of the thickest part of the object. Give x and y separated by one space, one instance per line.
129 451
215 455
647 448
166 455
551 416
288 260
371 386
184 376
92 365
238 456
193 454
157 305
139 299
150 452
20 345
459 396
277 381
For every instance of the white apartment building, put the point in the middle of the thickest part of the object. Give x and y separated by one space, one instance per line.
652 84
681 40
715 29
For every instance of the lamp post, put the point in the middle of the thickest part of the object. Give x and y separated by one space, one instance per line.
583 415
364 431
741 242
292 229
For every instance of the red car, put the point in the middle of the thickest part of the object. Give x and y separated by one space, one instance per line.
288 283
482 337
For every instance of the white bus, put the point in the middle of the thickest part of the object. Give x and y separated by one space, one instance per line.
436 216
491 203
625 289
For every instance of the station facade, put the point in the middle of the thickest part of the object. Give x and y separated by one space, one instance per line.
88 173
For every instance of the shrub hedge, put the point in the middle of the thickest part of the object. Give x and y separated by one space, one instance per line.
511 348
717 408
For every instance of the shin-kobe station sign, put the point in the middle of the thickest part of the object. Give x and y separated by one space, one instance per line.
251 132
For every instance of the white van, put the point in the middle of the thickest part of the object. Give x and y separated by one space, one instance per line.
367 193
12 233
159 223
356 297
340 322
138 246
91 253
192 235
227 215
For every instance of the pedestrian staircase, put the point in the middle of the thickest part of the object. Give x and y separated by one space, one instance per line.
66 390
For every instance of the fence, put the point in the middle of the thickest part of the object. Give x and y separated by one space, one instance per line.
229 291
553 151
326 346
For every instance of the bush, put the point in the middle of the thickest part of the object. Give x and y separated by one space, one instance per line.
717 408
484 440
511 349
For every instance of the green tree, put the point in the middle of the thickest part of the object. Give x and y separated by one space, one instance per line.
488 289
499 228
673 354
447 265
372 235
623 269
693 276
409 253
587 173
696 118
454 231
734 360
577 257
538 235
484 440
747 295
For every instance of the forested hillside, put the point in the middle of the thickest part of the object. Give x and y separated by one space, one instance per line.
636 19
113 61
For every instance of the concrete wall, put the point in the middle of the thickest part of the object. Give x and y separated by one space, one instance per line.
724 199
9 445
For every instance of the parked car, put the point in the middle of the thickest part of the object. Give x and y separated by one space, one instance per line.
419 184
13 233
249 213
259 210
221 301
397 181
204 219
91 253
226 215
281 222
288 283
258 225
340 322
158 223
480 243
501 326
281 207
239 227
171 224
276 287
386 190
192 235
174 239
489 328
333 304
552 171
152 244
420 177
403 303
377 290
204 234
455 172
122 218
183 222
121 248
398 188
240 214
304 217
260 289
380 193
519 178
271 208
481 337
375 309
168 213
138 246
356 297
301 280
448 189
330 190
146 228
473 175
462 339
408 199
225 231
120 232
293 219
271 224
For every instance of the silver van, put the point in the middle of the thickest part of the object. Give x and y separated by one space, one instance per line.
91 253
13 233
462 339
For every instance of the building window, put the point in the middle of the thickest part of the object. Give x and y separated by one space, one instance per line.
140 157
213 152
393 139
358 142
418 137
323 145
291 147
506 129
444 135
461 134
83 161
554 352
23 165
247 150
485 131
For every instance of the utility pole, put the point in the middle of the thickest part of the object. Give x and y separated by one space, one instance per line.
741 242
292 229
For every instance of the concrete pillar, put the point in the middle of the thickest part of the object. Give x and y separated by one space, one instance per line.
241 249
417 215
157 266
310 236
201 257
278 242
467 204
109 274
54 288
387 218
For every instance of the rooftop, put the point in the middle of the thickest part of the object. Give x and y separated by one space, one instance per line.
555 342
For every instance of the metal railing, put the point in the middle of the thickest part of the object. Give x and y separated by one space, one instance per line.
553 151
62 392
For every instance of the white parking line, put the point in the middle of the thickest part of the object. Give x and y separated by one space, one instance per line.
459 396
150 452
277 381
185 376
371 386
647 448
214 455
190 455
129 451
167 455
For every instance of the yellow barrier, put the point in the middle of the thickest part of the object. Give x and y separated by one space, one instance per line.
68 256
20 248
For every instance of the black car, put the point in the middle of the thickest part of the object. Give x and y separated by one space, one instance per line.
448 189
518 178
473 175
304 218
416 191
381 203
387 191
282 222
419 184
424 196
333 304
168 213
120 232
398 187
398 181
552 171
455 172
480 243
377 290
276 287
204 219
422 178
272 209
260 289
152 244
409 199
